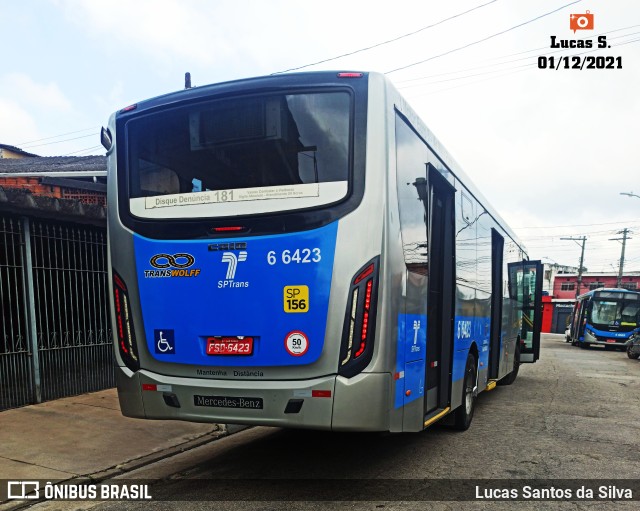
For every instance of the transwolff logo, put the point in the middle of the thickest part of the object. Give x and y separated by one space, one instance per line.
232 261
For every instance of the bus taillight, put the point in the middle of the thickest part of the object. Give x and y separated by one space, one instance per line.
359 326
365 320
124 326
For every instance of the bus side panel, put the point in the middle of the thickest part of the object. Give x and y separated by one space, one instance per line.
362 403
129 393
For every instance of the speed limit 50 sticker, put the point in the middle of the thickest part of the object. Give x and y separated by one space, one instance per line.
296 343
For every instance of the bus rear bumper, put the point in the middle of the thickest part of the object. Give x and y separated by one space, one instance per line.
298 404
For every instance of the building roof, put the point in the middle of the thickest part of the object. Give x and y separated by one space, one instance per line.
24 202
59 166
16 150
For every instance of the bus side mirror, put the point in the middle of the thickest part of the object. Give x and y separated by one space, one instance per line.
421 185
105 138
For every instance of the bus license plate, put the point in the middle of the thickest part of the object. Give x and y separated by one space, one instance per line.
611 340
229 346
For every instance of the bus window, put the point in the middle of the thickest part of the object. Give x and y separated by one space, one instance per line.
412 157
246 154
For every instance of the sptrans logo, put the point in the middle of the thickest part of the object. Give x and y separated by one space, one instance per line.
232 261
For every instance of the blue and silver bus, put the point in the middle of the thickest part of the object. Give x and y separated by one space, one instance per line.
300 251
605 317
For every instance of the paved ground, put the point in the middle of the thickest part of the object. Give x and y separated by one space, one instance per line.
87 436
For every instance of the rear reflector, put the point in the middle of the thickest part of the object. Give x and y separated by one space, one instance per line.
320 393
350 75
153 387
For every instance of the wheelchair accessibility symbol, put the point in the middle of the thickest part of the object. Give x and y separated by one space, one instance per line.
164 341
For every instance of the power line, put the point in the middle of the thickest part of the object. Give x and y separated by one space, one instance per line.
556 235
506 62
508 71
56 136
577 225
388 41
483 39
62 141
83 150
469 76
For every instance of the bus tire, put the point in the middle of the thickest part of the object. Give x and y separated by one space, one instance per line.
463 415
511 377
632 354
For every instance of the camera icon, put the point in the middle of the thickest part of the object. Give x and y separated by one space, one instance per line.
581 22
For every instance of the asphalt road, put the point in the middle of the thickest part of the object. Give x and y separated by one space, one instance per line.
573 415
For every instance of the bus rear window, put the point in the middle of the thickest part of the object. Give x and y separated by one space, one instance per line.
240 156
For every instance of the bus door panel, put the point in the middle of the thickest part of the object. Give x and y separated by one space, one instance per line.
440 301
573 326
525 286
497 252
582 323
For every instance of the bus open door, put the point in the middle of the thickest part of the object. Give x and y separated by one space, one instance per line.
525 286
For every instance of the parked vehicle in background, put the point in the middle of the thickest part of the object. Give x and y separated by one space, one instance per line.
633 346
606 317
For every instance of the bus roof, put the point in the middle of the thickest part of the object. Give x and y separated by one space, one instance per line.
332 78
614 290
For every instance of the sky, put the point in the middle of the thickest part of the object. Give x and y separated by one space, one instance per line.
551 149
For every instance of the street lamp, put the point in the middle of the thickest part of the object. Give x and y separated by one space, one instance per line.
630 194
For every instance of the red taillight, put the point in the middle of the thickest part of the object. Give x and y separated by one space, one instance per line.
350 75
149 386
363 275
119 320
124 324
365 319
358 332
320 393
232 228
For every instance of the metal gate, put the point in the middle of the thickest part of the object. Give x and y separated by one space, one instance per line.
53 290
16 377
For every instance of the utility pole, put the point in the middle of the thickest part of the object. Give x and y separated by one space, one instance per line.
583 239
624 239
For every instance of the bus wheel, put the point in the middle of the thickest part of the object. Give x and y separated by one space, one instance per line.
632 353
511 377
464 413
